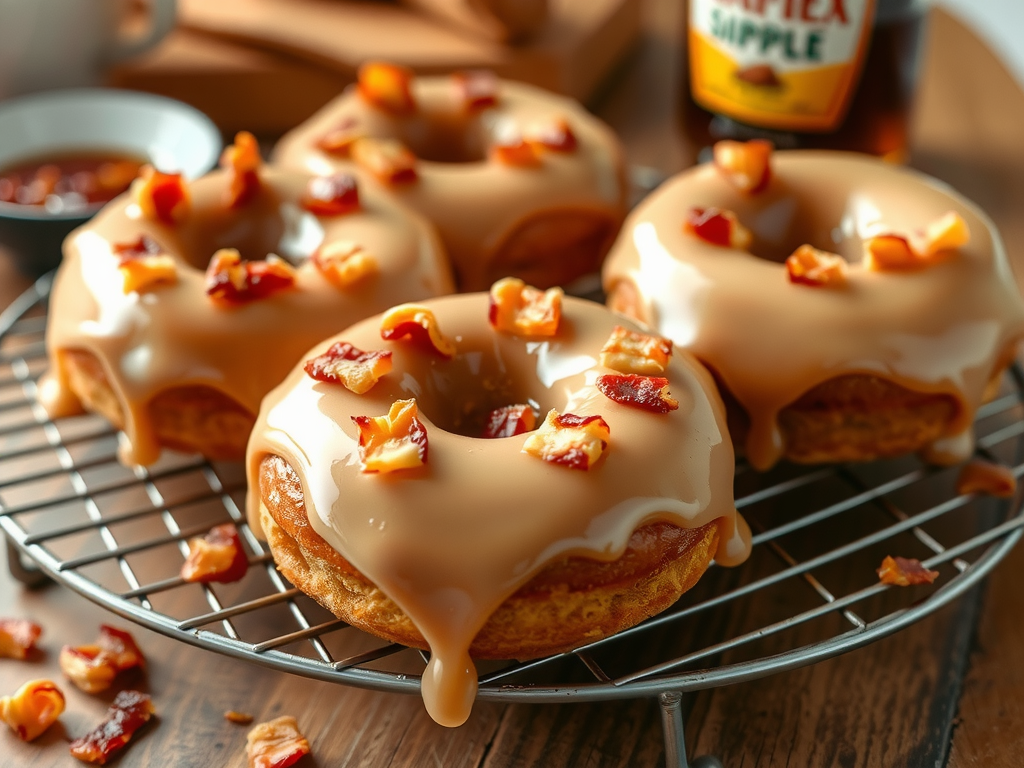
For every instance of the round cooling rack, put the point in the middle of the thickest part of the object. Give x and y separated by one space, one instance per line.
71 512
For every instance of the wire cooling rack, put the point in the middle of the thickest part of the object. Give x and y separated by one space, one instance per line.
72 513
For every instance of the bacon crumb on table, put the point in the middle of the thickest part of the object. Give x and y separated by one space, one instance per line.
129 711
32 709
276 744
904 572
92 668
239 718
18 638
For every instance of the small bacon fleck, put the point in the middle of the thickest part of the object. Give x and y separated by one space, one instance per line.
18 638
556 135
89 667
903 572
509 421
242 160
239 718
809 266
356 370
389 160
121 647
647 392
718 227
572 441
516 307
129 711
387 87
985 477
32 709
144 265
477 88
230 281
332 195
417 324
217 556
395 441
628 351
276 744
338 141
946 233
889 252
161 196
745 164
517 153
345 264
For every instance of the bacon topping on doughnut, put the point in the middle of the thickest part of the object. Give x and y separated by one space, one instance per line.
572 441
217 556
345 263
478 88
516 307
242 160
356 370
904 571
387 159
418 324
946 233
395 441
144 265
129 711
509 421
387 87
230 281
627 351
333 195
516 152
276 744
985 477
92 668
647 392
745 164
555 135
32 709
18 638
338 141
718 227
809 266
161 196
891 252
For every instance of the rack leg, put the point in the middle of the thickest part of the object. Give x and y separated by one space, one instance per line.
675 741
30 577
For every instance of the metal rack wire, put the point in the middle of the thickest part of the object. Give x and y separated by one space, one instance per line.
71 512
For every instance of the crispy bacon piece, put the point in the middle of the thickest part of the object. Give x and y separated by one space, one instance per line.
389 160
903 572
889 252
32 709
510 420
809 266
627 351
516 307
647 392
556 135
417 324
478 88
387 87
144 265
276 744
18 638
946 233
395 441
718 227
344 263
356 370
121 647
239 718
925 248
745 164
217 556
242 160
129 711
333 195
572 441
985 477
338 141
230 281
92 668
161 196
517 153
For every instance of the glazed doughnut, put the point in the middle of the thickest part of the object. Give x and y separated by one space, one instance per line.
177 348
881 343
503 21
517 180
433 511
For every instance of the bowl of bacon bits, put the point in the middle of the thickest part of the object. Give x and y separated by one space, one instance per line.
65 154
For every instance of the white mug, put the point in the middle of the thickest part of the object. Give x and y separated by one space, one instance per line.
70 43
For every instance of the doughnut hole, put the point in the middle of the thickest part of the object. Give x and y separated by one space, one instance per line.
444 137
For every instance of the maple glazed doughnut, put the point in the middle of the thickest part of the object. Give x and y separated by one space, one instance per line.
881 343
517 180
442 509
169 317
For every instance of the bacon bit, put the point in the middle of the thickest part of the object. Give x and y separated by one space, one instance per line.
276 744
345 264
332 195
509 421
389 160
904 571
395 441
120 646
230 281
889 252
926 248
338 141
985 477
809 266
356 370
89 667
647 392
477 88
745 164
32 709
241 718
387 87
144 265
516 307
18 638
718 227
517 153
243 160
217 556
161 196
556 135
946 233
129 711
627 351
418 324
573 441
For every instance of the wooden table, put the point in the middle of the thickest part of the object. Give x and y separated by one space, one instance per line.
947 691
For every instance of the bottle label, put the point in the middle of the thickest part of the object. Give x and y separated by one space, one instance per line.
783 64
